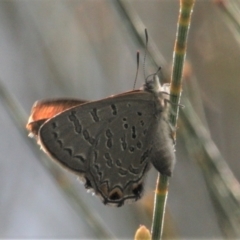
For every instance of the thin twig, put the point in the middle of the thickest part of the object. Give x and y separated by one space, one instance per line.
186 7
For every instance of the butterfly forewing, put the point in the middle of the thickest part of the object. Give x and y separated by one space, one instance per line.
106 142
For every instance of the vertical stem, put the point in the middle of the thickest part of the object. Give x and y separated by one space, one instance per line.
179 54
184 19
160 204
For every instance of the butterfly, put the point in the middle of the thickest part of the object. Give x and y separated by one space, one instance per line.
110 143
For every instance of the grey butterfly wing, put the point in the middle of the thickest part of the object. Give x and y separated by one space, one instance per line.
108 142
122 156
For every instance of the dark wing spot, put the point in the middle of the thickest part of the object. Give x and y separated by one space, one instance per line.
69 151
115 195
95 115
122 172
87 137
54 125
109 161
76 124
87 183
80 157
133 170
114 109
134 135
95 155
137 191
123 143
60 143
119 163
107 156
131 149
99 173
109 143
55 135
86 134
139 145
91 141
109 134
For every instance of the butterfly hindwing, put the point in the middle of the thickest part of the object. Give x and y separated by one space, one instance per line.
107 142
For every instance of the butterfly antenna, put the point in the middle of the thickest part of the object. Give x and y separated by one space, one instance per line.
134 85
145 54
153 73
144 60
159 68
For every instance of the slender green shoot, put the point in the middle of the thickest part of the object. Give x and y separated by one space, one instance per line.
184 19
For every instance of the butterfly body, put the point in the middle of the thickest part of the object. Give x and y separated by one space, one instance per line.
110 143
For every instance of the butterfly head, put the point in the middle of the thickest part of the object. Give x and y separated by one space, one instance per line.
153 85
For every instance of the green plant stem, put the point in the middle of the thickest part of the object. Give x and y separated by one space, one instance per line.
180 48
186 7
160 205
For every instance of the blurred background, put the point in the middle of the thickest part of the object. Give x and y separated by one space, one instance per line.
87 49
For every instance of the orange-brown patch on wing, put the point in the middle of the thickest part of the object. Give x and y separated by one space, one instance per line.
46 109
